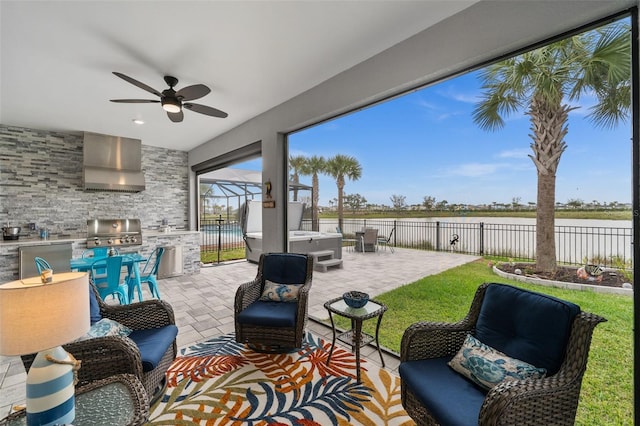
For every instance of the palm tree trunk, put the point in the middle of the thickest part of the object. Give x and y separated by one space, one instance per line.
545 220
315 219
340 202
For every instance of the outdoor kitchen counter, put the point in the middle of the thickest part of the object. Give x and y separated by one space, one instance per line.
158 233
32 241
10 251
188 240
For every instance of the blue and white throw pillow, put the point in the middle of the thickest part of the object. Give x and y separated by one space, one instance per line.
276 292
106 327
487 366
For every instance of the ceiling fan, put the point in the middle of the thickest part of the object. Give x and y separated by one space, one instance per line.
173 101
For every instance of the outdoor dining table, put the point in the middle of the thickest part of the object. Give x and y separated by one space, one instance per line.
130 260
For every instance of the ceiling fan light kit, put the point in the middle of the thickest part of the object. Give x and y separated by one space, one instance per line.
171 105
172 101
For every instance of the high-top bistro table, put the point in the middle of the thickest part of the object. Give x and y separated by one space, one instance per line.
130 260
355 337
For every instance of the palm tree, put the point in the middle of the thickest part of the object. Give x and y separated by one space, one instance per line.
311 167
295 164
339 167
544 81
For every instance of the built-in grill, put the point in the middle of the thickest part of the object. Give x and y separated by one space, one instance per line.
113 232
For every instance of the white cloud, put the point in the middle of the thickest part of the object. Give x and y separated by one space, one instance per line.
515 153
474 169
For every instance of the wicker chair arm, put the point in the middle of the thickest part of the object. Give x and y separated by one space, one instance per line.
101 357
425 340
141 315
246 294
550 400
303 296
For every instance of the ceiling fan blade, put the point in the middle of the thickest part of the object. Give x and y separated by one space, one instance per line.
137 83
206 110
190 93
135 101
176 117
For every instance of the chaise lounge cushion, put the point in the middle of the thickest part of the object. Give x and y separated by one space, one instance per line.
451 398
528 326
153 343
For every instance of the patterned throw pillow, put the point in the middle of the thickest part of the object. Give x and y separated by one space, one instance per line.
487 366
106 327
276 292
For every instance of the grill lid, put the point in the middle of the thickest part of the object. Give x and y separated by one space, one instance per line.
113 232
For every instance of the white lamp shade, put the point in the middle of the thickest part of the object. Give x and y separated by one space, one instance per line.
36 316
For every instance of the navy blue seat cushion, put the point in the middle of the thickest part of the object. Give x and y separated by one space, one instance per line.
94 308
284 268
450 398
269 314
153 343
528 326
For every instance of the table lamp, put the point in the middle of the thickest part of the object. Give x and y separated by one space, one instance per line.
37 317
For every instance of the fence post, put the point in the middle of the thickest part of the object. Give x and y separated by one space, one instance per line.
219 220
395 232
481 238
438 235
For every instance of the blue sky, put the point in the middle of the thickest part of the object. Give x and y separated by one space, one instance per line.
426 144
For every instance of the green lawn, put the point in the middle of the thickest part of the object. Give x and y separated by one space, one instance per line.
607 389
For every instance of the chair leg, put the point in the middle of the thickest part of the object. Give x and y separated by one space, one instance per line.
153 287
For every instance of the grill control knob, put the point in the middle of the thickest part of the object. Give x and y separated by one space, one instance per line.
97 241
122 240
134 239
110 241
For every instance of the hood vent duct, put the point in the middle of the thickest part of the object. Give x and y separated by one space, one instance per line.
112 163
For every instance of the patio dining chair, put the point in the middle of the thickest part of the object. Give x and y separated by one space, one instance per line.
369 240
149 273
41 264
106 275
384 241
350 242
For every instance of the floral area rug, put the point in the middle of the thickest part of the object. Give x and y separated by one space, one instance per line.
220 382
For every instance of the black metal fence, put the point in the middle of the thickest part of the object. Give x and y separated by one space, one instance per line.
607 246
218 236
575 245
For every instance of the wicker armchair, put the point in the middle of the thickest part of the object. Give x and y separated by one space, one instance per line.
271 324
550 400
103 357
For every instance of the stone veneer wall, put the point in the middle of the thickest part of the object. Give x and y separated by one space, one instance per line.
41 182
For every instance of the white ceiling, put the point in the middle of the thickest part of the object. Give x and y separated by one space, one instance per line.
57 58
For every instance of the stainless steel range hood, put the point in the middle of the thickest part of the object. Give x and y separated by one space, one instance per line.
112 163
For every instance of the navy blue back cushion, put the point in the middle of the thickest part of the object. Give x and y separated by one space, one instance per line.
529 326
94 307
284 268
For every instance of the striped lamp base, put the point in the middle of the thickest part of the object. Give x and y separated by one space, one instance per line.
50 390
